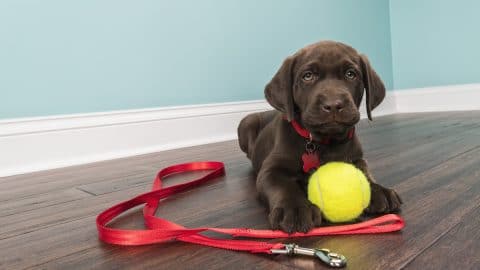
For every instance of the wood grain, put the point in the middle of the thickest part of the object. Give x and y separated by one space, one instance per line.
457 249
432 160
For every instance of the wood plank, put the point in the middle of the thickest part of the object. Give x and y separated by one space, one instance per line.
396 164
35 186
459 248
410 136
119 183
19 207
400 121
31 221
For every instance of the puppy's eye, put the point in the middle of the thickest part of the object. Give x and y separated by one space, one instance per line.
350 74
308 76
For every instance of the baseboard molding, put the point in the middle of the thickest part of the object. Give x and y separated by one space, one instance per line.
463 97
387 107
43 143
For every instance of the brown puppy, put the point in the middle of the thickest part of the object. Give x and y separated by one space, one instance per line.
320 87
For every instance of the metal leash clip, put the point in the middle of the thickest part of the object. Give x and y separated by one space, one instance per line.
330 258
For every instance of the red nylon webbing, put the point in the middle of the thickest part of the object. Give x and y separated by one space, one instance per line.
161 230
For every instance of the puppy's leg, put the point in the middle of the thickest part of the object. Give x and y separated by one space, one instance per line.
250 127
289 208
383 200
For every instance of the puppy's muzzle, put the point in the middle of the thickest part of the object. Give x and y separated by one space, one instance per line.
332 102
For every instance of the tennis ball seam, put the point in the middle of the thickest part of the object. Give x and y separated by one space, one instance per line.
365 189
320 199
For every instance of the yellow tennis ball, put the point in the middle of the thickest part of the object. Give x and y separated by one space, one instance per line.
340 190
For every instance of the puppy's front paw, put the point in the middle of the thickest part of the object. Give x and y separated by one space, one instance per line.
383 200
295 215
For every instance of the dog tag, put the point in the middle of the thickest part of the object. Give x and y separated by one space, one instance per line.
310 161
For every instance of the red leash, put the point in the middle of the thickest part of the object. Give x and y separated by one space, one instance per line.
161 230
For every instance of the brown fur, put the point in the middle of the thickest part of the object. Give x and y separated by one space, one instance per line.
313 88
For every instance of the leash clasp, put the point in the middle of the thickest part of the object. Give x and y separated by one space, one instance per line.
330 258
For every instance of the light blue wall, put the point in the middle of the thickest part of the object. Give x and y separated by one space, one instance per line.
435 42
60 57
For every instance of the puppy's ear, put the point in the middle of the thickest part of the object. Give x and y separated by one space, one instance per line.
374 87
279 91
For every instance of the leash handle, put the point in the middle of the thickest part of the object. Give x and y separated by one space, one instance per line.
160 230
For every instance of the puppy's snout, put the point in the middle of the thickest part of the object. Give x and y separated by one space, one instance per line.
329 106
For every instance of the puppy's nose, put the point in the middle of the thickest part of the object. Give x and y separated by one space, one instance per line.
333 106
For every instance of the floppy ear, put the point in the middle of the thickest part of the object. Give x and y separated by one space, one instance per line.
279 91
374 87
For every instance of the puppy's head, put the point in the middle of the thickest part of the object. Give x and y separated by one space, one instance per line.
323 85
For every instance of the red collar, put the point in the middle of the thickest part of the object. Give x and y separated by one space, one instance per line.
307 135
300 130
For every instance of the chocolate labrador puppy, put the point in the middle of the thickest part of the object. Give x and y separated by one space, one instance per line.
319 90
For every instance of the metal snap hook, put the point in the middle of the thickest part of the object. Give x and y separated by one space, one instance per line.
329 258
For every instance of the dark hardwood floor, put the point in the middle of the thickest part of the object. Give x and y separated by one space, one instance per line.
47 219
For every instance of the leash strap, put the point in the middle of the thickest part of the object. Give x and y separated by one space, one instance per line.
161 230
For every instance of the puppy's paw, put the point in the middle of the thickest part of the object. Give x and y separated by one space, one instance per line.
383 200
295 215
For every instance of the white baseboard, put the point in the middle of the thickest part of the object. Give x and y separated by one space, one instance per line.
463 97
387 107
43 143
